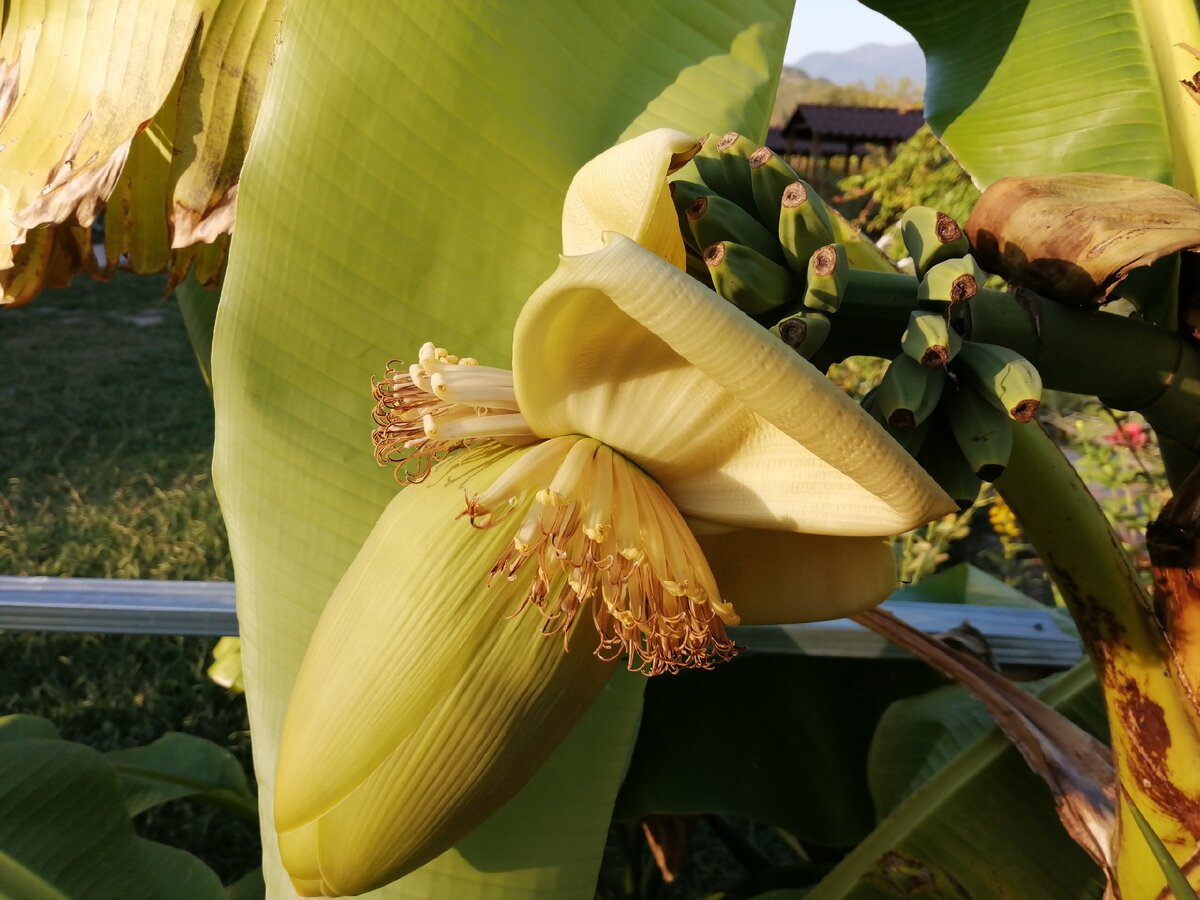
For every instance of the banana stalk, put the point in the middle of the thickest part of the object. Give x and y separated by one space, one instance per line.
1156 746
1174 543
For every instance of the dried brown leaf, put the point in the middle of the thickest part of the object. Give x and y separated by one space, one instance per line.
1074 237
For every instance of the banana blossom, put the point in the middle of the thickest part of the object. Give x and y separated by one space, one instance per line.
650 444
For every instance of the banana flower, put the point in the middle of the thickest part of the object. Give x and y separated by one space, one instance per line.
655 468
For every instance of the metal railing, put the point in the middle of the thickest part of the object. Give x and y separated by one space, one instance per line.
1016 637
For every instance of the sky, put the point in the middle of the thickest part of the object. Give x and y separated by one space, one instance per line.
838 25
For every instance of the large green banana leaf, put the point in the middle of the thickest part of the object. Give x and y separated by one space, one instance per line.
1037 87
65 830
974 821
405 184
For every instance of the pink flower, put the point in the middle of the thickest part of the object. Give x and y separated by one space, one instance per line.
1129 434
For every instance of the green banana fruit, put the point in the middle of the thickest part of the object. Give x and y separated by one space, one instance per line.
709 164
952 281
931 237
683 195
911 439
734 154
747 279
944 461
828 272
1003 376
769 178
983 431
908 393
804 225
930 340
713 219
804 332
695 266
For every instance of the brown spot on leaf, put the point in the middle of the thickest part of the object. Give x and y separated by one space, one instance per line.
904 876
1149 739
10 82
1074 237
75 191
189 226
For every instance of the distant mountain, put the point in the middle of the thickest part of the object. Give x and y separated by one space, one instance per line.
866 64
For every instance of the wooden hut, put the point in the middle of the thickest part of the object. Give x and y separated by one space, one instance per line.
816 133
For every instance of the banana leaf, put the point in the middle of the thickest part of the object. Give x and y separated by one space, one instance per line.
405 185
1040 87
65 830
981 825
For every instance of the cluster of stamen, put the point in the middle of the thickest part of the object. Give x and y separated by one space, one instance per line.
425 410
601 532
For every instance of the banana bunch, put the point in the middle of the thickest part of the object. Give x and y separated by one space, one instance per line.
763 239
951 403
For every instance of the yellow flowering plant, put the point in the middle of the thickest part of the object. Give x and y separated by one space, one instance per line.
638 397
437 679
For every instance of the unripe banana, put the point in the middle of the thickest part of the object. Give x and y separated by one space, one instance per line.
983 431
713 219
804 332
804 225
908 393
952 281
930 340
1003 376
747 279
709 164
769 178
734 155
695 266
828 273
910 439
944 461
683 195
931 237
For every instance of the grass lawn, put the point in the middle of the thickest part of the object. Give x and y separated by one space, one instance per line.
105 454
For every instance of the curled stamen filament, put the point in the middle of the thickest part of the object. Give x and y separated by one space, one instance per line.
425 410
600 531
